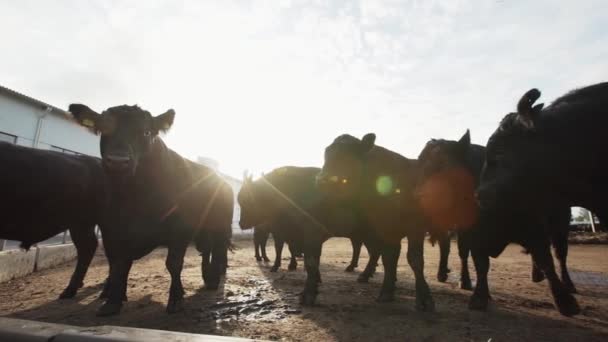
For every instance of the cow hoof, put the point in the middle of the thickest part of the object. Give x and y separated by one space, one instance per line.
292 267
537 276
478 303
386 298
103 294
266 259
425 305
109 309
567 305
307 299
350 268
212 286
570 287
175 305
68 293
442 276
363 278
274 268
257 258
466 285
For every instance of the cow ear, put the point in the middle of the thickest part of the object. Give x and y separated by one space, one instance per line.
465 141
526 113
367 142
163 122
86 116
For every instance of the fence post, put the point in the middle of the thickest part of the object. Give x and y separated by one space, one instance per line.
65 236
591 220
36 257
2 245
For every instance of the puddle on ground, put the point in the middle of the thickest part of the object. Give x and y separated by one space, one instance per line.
589 278
259 303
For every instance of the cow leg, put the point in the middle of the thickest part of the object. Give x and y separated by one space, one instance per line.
174 264
257 245
481 295
312 258
219 254
85 242
206 268
390 257
415 257
372 263
263 247
565 302
537 274
119 274
293 263
464 248
278 249
444 253
354 262
560 245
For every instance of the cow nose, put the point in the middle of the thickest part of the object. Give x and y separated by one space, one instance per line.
118 161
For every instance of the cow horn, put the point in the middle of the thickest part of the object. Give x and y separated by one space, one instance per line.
524 106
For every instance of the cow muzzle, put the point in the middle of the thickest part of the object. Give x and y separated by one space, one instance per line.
119 163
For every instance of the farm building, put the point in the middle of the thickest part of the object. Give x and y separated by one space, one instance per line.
30 122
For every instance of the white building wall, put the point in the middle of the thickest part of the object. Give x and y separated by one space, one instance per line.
20 118
67 134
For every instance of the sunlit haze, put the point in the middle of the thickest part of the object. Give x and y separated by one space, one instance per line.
262 84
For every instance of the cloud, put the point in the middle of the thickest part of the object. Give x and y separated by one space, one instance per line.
260 84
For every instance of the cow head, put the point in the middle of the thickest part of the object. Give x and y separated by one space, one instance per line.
515 156
251 199
342 173
127 133
438 155
446 183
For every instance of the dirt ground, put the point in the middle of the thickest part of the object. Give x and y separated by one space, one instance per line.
255 303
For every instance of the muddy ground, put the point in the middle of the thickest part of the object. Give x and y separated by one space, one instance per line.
258 304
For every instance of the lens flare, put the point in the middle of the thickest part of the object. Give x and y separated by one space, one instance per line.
448 199
384 185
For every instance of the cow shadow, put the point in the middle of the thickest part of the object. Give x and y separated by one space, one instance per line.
145 311
347 311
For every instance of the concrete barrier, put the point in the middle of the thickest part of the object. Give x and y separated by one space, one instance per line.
50 256
19 330
16 263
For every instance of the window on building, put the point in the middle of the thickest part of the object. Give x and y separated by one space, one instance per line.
8 138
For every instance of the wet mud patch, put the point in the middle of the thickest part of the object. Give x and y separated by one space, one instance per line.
589 278
255 301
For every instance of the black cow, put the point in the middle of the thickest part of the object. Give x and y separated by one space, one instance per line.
539 159
440 156
260 236
47 192
158 198
380 184
288 199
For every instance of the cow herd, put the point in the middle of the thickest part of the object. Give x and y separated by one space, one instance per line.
538 163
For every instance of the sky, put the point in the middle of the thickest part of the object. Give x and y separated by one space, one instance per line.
262 84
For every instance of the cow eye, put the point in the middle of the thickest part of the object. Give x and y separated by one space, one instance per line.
147 133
